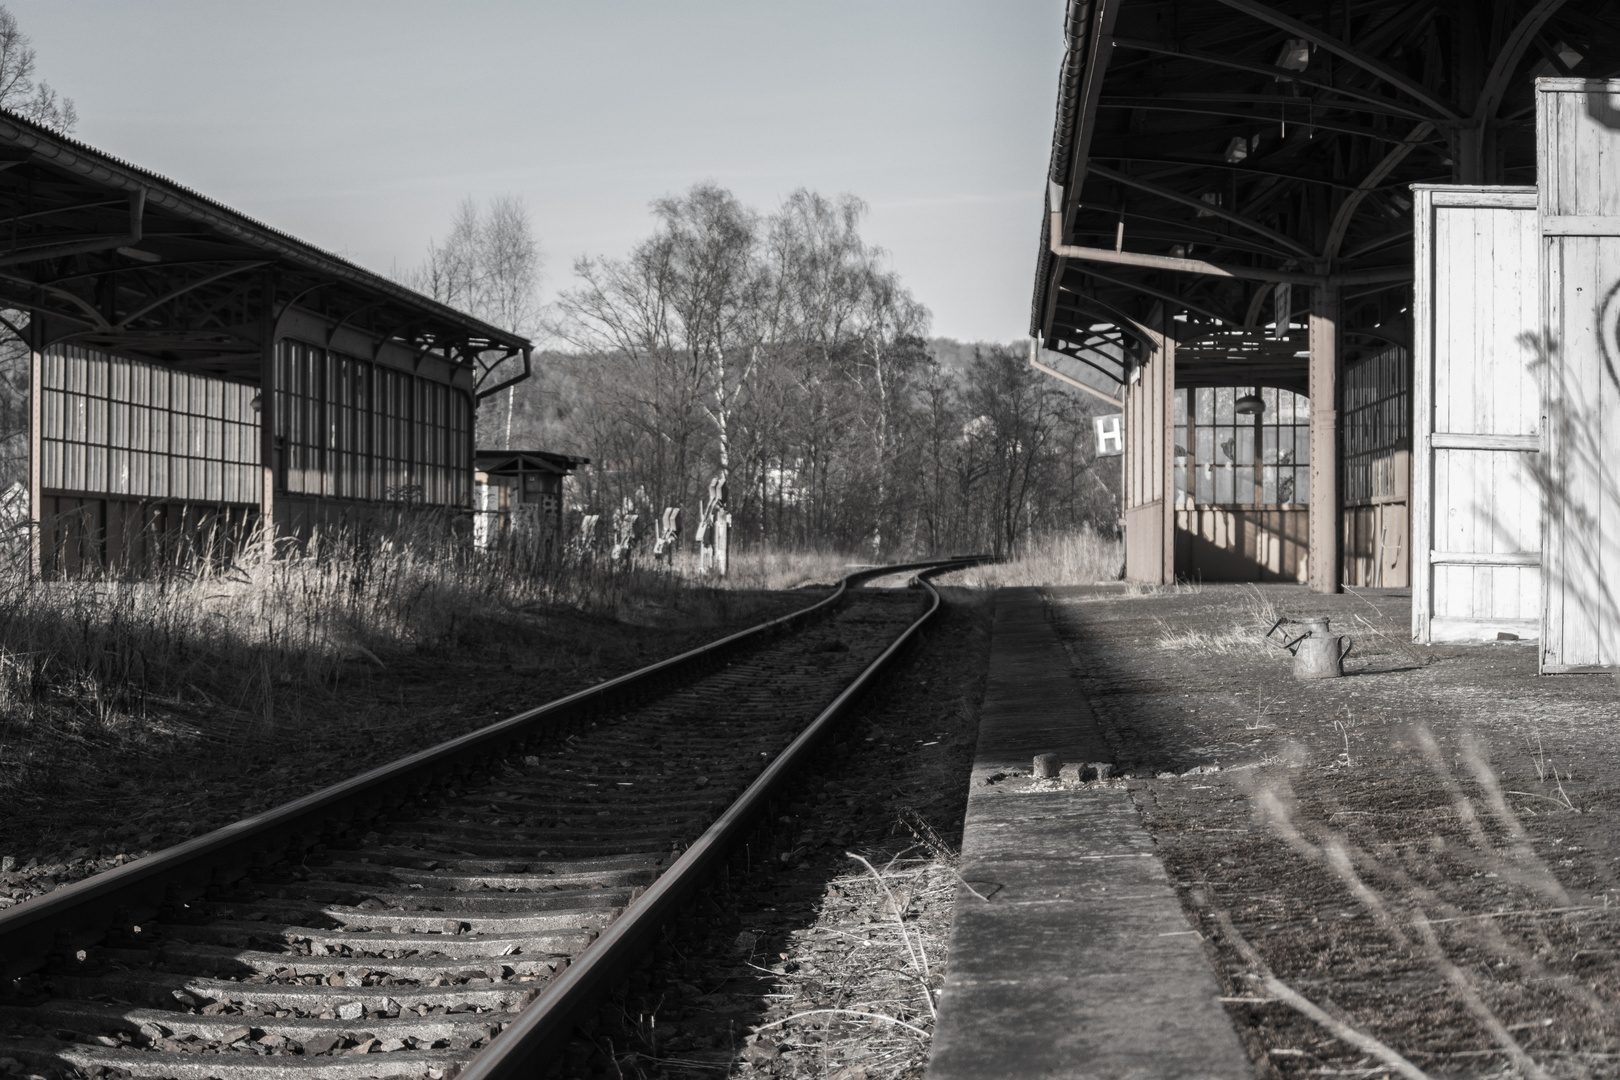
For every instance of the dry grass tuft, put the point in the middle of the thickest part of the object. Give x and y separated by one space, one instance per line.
1251 636
1412 898
857 990
1081 557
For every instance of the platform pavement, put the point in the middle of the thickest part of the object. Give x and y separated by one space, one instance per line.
1070 955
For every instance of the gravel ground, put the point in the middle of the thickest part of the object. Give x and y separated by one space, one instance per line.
124 789
813 962
1423 851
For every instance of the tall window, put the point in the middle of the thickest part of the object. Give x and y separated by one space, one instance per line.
111 426
350 429
1377 425
1227 458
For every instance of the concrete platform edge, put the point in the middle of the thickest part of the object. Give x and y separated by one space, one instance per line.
1070 955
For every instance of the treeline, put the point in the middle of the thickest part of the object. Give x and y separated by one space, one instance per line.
779 351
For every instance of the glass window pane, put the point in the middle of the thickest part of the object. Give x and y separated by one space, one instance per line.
1206 405
1245 445
1245 485
1224 398
1223 485
1205 492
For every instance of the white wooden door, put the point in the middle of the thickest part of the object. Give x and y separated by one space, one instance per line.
1476 415
1578 147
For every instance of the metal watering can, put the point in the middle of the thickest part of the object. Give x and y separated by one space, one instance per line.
1317 653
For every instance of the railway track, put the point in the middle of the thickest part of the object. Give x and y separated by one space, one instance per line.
453 913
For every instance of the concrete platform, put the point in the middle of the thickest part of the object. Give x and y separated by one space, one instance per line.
1070 955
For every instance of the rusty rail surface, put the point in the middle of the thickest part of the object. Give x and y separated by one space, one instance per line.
79 915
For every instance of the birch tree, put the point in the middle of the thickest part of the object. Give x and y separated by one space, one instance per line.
489 266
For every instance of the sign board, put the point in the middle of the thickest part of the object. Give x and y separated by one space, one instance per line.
1110 430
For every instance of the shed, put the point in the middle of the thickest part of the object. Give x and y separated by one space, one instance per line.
518 493
195 373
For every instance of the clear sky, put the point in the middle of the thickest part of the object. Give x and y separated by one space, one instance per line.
358 125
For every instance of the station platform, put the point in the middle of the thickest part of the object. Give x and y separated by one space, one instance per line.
1070 954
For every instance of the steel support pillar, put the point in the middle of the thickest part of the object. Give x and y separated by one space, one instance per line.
1167 445
36 466
267 415
1324 394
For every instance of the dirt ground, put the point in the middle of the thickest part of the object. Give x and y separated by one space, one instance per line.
1424 849
116 792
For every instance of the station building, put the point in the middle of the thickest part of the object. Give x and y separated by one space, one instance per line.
195 373
1233 229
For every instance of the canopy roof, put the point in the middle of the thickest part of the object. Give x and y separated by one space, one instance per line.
1273 142
512 462
118 258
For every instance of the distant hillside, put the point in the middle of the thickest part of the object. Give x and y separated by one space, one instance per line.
954 356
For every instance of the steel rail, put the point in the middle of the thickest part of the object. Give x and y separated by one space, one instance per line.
534 1042
78 915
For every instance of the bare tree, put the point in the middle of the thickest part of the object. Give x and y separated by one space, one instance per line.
637 373
38 102
712 240
19 93
489 266
784 349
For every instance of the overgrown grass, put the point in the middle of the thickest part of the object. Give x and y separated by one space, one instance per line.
1251 635
245 641
769 567
1078 557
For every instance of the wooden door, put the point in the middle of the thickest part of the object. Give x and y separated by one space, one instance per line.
1578 147
1476 416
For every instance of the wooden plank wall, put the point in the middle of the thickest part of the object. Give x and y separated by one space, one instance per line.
1476 415
1578 137
1238 544
1149 543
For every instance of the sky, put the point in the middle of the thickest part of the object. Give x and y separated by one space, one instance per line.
360 125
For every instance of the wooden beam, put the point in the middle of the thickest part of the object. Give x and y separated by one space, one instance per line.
1302 107
183 290
1380 105
1159 294
1227 166
1443 112
1174 232
1347 209
1287 243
